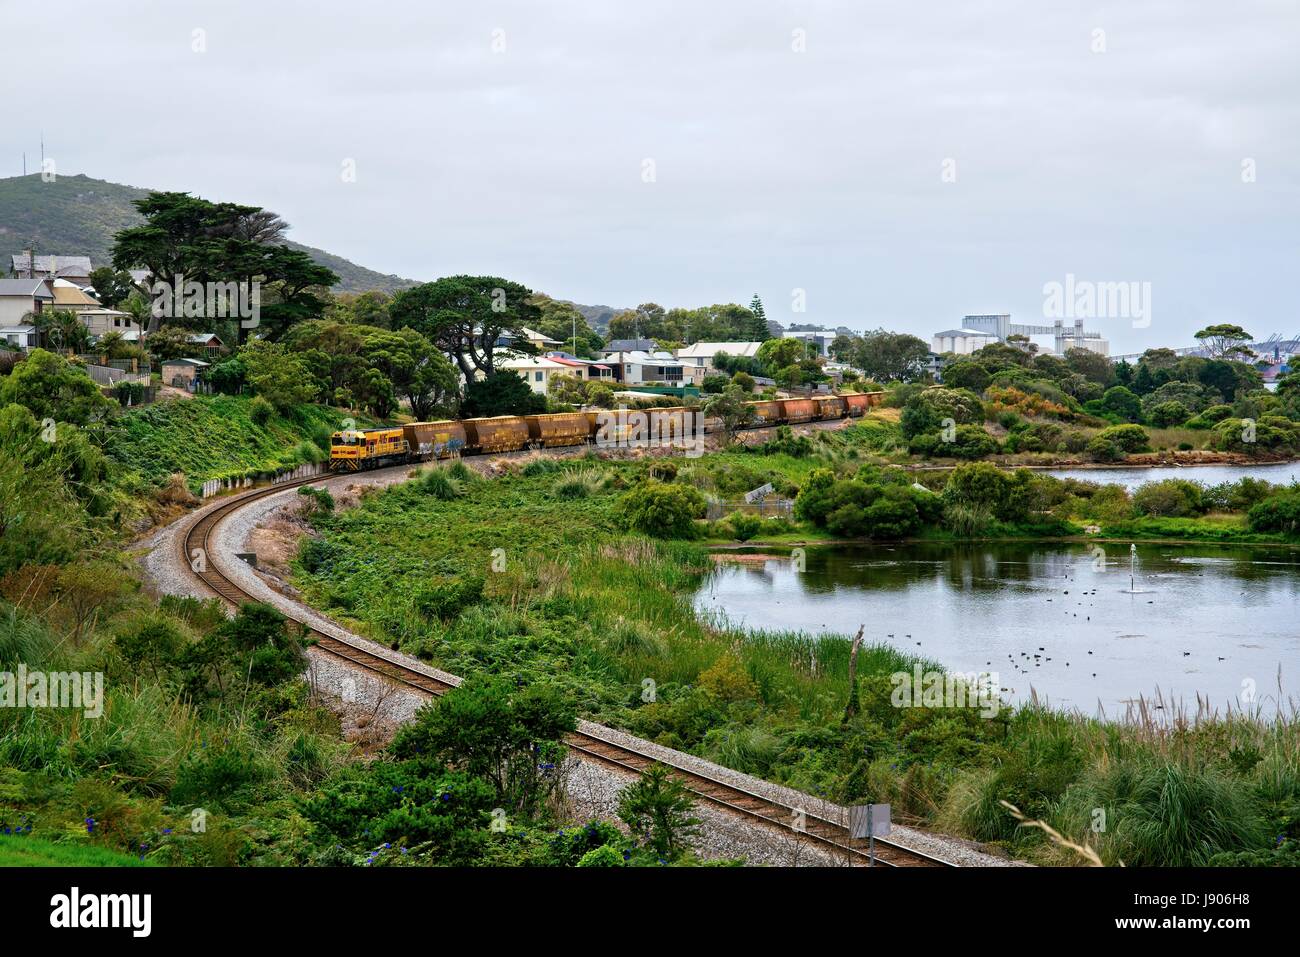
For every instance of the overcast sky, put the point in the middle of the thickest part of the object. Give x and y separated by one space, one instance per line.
794 146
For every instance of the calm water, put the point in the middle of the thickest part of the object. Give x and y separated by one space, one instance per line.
1281 474
984 608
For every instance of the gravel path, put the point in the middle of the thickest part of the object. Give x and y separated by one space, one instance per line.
373 707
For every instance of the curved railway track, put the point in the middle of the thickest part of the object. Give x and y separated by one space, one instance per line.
831 835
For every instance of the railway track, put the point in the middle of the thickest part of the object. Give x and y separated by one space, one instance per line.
824 831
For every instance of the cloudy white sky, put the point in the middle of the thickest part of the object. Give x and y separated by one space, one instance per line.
511 138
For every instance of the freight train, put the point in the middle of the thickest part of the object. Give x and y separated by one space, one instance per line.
357 449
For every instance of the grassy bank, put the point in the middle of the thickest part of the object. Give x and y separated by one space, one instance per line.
219 437
534 574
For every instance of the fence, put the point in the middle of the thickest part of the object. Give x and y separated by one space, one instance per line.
767 508
111 375
216 486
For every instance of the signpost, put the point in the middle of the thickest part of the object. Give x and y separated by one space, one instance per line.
869 821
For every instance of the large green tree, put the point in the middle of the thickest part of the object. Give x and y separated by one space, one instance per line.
891 356
465 316
206 242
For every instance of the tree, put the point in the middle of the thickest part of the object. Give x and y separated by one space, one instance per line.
1092 365
647 321
891 356
502 392
1120 402
417 371
1225 341
363 309
86 587
171 342
731 406
51 387
758 330
254 649
155 643
510 736
562 321
207 242
277 375
112 286
465 317
777 354
658 809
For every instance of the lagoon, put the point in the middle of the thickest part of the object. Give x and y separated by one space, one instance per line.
1216 621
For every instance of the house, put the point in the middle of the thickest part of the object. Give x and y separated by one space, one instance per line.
75 269
583 369
628 345
698 358
18 298
100 322
531 336
210 343
638 367
182 373
537 371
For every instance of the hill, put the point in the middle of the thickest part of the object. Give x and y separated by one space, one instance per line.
78 215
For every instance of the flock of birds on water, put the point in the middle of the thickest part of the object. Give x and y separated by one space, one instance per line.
1037 659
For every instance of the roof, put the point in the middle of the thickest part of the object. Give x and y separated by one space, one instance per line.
533 334
640 357
204 337
578 363
703 349
529 362
70 294
629 345
968 333
69 265
197 363
30 288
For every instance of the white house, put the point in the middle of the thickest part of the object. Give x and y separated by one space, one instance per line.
18 297
535 370
702 354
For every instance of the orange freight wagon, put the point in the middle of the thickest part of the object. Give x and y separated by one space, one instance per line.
500 433
798 410
435 440
831 407
560 428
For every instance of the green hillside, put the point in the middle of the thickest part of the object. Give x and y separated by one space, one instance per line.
77 215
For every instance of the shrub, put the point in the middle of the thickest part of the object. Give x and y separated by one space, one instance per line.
744 526
439 483
663 510
260 410
1171 498
1169 414
444 599
1103 450
1129 438
1277 513
658 808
